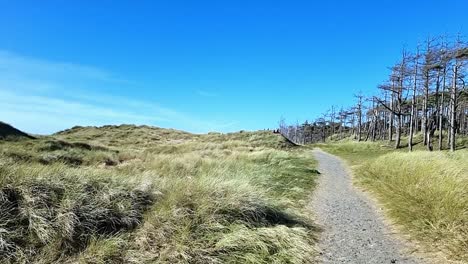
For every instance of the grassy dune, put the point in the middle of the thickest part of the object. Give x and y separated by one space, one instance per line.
426 193
148 195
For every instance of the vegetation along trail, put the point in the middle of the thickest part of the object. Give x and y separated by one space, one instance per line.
352 229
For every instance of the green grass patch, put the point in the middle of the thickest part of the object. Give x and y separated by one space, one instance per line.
356 152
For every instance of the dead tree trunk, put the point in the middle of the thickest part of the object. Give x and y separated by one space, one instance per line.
453 108
413 104
359 117
390 125
441 111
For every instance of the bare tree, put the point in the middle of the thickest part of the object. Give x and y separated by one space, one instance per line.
413 101
424 92
359 115
460 55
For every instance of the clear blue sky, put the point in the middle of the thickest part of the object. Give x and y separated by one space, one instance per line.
201 65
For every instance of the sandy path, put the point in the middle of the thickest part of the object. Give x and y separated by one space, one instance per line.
353 232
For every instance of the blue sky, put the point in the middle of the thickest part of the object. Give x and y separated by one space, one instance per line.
201 65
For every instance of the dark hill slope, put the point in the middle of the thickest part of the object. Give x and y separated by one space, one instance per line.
7 131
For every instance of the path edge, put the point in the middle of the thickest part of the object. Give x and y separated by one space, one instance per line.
411 245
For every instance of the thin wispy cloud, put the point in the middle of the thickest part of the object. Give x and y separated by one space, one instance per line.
206 93
25 69
43 97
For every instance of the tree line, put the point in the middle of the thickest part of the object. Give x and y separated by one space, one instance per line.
425 93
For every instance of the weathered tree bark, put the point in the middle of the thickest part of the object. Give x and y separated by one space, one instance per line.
332 120
401 74
359 117
413 103
453 108
398 132
390 121
436 114
374 120
424 106
441 115
341 122
431 130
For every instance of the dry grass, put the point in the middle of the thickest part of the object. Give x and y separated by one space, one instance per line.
425 192
146 195
356 152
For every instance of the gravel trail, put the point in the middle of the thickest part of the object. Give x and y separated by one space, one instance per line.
353 231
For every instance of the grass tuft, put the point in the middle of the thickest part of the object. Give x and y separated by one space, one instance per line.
40 206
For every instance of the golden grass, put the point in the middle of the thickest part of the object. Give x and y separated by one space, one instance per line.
427 194
145 195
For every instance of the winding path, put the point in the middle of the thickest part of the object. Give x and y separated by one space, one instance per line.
353 231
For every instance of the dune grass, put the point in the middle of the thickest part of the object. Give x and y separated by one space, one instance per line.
356 152
131 194
47 211
425 193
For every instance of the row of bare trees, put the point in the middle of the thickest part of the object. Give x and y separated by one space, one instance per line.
425 94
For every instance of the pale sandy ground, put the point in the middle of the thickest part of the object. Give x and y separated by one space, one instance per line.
353 230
